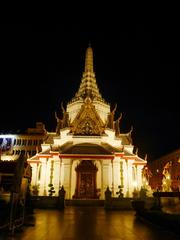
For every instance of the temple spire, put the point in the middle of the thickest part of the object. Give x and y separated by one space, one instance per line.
89 59
88 86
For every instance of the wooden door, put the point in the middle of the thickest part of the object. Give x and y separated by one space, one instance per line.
86 180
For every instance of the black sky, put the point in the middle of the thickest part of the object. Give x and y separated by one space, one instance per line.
136 67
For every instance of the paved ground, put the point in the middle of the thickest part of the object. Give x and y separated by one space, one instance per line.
89 223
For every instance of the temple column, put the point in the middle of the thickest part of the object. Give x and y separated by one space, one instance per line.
34 173
105 176
122 173
131 187
116 175
56 176
37 172
67 177
43 179
112 178
139 176
74 177
60 172
129 178
98 178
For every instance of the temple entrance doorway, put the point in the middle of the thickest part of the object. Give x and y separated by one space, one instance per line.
86 180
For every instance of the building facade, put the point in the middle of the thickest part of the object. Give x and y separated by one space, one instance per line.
166 172
27 143
87 153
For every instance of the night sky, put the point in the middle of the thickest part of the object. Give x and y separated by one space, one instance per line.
136 67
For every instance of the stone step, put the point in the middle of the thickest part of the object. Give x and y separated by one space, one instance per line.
84 202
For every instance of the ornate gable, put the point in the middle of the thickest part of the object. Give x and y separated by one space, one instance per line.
87 122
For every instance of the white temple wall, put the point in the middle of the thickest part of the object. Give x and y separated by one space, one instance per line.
63 138
92 140
110 173
111 139
129 148
45 147
103 110
73 109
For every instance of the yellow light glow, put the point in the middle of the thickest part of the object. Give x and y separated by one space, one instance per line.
164 182
135 184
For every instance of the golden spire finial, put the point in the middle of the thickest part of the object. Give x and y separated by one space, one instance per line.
89 59
88 86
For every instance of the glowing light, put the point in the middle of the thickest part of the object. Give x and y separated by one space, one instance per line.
7 136
135 184
164 182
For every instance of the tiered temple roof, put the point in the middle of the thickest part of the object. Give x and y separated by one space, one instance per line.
88 86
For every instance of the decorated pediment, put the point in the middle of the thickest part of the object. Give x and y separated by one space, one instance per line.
87 121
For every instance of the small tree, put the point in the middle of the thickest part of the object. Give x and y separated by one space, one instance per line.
143 193
35 190
135 193
51 189
120 192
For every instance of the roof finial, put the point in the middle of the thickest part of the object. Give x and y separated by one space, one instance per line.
88 86
131 129
136 152
89 59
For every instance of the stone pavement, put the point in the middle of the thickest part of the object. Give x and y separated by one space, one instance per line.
89 223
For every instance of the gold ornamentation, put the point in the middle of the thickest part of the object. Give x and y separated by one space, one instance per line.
64 122
116 125
87 121
110 121
88 86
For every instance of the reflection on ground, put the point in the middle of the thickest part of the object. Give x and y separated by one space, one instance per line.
90 223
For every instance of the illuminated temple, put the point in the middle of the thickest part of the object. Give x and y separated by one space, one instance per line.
88 152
